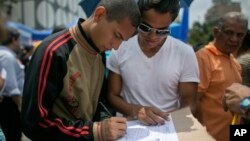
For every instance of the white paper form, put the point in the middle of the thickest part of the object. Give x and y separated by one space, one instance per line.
139 132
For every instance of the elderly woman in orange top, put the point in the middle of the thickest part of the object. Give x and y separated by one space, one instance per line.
218 70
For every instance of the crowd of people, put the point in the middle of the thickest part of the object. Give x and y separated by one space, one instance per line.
62 91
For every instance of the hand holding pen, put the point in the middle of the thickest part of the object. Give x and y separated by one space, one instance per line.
236 100
113 127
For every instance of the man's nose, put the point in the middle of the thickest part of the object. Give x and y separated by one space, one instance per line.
152 34
234 37
115 44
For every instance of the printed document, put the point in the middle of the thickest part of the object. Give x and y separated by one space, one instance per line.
139 132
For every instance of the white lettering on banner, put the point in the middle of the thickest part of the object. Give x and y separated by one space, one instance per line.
56 12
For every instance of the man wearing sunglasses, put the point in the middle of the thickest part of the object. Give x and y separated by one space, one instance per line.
153 73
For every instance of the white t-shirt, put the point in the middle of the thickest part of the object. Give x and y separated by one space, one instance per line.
154 81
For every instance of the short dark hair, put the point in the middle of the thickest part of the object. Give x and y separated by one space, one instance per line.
161 6
232 15
12 33
117 10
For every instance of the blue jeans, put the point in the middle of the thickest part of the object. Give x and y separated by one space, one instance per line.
2 137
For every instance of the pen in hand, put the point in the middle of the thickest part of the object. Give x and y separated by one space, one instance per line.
106 109
235 117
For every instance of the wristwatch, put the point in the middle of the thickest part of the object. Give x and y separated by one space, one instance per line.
245 105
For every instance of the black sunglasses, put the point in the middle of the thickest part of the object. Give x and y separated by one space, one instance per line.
147 29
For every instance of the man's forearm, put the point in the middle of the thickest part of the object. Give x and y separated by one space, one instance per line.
124 107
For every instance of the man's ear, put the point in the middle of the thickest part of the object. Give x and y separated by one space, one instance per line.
99 13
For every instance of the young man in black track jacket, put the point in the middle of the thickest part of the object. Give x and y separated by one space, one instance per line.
64 78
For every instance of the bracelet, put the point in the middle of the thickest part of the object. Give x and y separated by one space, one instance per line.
104 127
99 128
